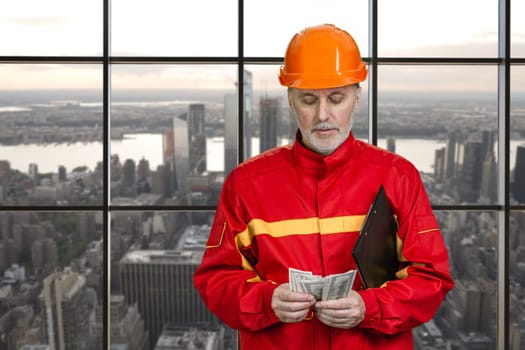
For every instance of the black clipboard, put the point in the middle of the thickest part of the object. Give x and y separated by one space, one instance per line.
375 251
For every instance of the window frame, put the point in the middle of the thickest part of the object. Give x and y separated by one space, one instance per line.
504 62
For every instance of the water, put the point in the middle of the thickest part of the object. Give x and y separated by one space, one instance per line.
149 146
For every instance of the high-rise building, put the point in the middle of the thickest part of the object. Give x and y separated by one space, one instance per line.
143 169
62 173
470 175
129 172
518 186
230 133
33 172
181 152
127 326
451 155
391 145
67 311
439 164
197 138
269 112
489 179
5 171
248 100
160 282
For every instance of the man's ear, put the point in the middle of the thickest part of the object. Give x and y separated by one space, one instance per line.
357 102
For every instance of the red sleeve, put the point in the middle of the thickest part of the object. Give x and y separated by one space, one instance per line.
226 280
424 278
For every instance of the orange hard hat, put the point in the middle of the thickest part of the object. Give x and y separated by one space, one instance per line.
321 57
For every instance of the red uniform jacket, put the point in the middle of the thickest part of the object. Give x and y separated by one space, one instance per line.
291 207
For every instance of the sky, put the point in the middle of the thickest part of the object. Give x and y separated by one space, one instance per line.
430 28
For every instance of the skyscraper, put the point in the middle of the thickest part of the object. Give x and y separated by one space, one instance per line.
127 325
248 98
470 180
181 152
67 311
197 138
160 282
230 132
450 156
269 110
518 186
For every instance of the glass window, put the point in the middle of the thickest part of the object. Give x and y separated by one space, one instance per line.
412 28
269 25
517 28
153 257
51 28
51 139
174 28
52 269
517 136
467 318
168 127
444 120
517 278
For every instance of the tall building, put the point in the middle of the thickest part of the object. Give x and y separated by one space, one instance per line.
5 171
181 152
269 113
126 326
439 164
230 133
67 311
62 173
451 155
489 179
33 172
197 138
518 186
160 282
470 175
129 173
248 100
391 145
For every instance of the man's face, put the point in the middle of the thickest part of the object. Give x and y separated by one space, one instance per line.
324 116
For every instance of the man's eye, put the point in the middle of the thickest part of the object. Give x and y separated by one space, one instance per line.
309 100
336 99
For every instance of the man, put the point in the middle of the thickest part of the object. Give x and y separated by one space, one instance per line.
301 206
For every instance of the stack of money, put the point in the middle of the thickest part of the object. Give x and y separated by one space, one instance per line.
323 288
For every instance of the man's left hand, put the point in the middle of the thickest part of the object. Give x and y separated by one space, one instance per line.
344 313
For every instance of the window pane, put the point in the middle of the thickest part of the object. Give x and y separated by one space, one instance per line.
438 28
153 258
174 28
517 279
270 24
517 136
45 257
51 28
51 135
444 120
467 319
518 28
268 119
168 124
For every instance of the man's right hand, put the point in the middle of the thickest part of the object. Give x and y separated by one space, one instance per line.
291 306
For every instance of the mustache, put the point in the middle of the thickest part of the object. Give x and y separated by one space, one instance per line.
324 126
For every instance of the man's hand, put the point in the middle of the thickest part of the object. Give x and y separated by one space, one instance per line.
345 312
291 306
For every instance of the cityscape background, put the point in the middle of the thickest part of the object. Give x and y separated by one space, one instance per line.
89 261
51 260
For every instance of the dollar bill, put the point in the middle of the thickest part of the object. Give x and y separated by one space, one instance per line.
338 285
323 288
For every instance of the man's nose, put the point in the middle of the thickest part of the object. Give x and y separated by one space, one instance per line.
324 110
